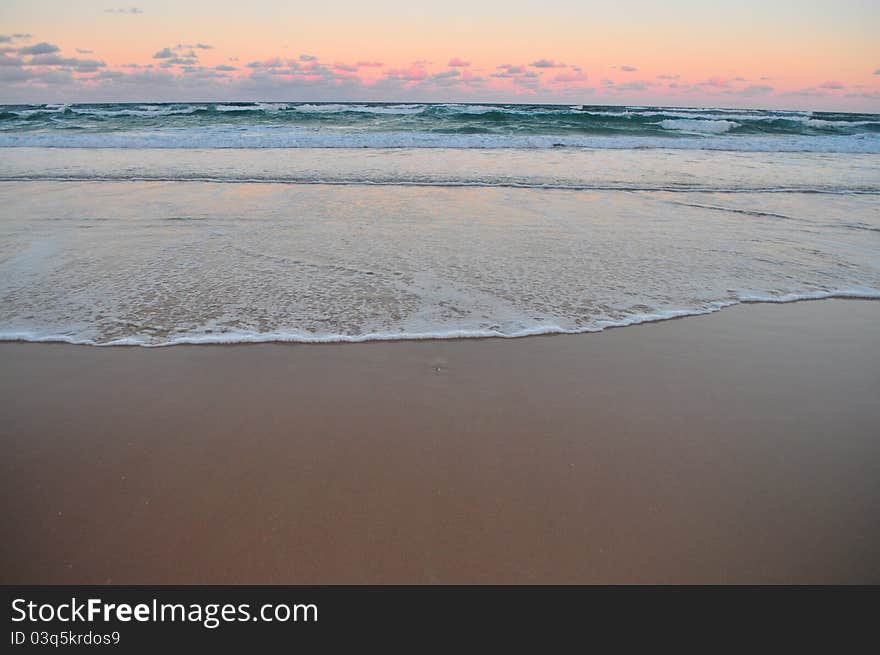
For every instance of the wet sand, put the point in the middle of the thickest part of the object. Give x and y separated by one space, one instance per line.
741 447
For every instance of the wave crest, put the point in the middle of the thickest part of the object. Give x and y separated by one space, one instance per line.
697 125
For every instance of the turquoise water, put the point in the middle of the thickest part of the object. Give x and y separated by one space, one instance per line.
267 125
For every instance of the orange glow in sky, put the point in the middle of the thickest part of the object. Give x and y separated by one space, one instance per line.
813 54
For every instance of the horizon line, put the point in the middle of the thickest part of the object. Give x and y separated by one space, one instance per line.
419 102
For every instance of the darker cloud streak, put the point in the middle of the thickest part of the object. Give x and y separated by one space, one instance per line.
546 63
79 65
41 48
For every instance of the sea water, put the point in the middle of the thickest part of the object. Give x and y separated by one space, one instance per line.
200 223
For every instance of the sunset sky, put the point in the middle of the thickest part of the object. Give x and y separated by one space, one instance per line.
811 54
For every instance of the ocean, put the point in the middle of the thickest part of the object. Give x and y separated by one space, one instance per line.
159 224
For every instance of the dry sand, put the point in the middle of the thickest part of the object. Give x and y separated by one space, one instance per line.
738 447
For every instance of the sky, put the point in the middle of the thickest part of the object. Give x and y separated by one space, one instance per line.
806 54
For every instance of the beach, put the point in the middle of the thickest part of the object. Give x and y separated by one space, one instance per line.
378 343
735 447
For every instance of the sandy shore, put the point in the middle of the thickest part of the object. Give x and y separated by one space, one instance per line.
737 447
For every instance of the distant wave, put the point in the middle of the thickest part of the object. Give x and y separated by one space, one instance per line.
416 125
695 125
677 138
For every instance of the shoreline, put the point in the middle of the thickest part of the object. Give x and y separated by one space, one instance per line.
737 447
274 338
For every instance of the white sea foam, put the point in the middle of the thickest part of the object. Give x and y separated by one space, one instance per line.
741 117
143 111
233 337
45 109
818 122
273 106
238 108
696 125
365 109
201 263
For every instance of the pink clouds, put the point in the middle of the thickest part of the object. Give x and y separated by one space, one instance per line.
571 77
715 82
185 72
41 48
414 73
546 63
509 70
273 62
